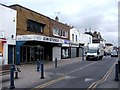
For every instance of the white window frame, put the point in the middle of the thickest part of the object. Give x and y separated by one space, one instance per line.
56 31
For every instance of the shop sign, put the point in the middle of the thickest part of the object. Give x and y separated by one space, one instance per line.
25 37
66 41
50 39
39 38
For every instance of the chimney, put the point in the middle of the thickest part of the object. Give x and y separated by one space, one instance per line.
57 19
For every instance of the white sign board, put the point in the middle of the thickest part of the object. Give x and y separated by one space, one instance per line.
39 38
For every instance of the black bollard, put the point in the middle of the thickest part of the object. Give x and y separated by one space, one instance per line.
82 54
38 65
119 67
56 62
12 69
116 73
42 70
16 75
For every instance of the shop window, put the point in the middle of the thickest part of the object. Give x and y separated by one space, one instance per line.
34 26
65 52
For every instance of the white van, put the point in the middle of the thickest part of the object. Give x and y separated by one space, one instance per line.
95 51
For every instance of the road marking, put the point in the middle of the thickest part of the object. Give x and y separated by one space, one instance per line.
93 85
88 79
80 68
61 78
50 83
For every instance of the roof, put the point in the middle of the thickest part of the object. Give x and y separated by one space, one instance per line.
15 5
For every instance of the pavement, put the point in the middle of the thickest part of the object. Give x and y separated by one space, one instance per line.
28 76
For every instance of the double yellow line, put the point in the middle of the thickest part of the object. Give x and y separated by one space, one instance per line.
49 83
94 85
91 87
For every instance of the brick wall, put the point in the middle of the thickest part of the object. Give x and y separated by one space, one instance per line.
24 13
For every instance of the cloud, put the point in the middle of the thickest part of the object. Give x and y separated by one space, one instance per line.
101 15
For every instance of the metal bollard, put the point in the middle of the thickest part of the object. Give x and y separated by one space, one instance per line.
12 69
116 73
119 67
56 62
82 54
38 65
16 75
42 70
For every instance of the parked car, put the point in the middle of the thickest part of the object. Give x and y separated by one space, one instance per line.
114 53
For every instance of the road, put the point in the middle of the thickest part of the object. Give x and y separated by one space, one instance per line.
84 74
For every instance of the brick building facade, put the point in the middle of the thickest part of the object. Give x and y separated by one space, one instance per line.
38 37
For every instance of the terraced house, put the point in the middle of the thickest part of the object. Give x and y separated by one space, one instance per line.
39 37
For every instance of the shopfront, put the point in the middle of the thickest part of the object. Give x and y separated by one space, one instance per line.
31 48
65 49
75 50
31 53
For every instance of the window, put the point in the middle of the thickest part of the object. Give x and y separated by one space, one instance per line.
55 31
66 33
73 37
63 34
76 38
34 26
60 32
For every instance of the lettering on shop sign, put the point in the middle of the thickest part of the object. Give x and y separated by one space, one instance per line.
25 37
39 38
50 39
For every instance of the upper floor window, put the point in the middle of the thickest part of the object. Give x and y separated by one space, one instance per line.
34 26
56 31
76 38
60 32
73 37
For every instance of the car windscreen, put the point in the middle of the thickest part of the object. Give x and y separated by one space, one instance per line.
114 52
92 51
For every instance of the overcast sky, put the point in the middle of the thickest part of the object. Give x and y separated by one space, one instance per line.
99 15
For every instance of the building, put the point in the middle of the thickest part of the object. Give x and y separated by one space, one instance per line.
60 30
74 42
85 39
38 37
7 34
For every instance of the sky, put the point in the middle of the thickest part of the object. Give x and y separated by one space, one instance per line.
99 15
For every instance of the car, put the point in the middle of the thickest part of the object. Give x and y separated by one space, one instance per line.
114 53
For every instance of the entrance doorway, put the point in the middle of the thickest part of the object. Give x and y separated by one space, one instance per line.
10 54
31 54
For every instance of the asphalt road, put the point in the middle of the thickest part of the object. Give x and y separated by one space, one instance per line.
83 74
